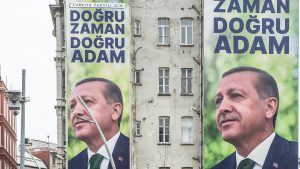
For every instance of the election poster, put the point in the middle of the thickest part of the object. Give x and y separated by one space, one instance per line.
97 45
251 33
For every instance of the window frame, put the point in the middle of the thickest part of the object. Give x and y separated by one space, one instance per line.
137 28
185 80
165 81
165 31
138 129
137 75
164 128
189 130
185 43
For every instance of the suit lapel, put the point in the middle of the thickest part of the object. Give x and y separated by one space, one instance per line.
278 149
121 153
84 162
80 161
231 162
228 163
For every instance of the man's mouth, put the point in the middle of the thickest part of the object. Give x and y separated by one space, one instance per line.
226 119
80 119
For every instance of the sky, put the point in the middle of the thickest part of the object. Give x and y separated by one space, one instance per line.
27 43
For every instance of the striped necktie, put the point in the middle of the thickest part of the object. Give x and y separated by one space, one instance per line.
95 161
246 164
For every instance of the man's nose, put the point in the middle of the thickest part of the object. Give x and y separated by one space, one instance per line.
79 110
225 106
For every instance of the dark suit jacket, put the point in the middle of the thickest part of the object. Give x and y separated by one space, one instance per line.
283 154
120 155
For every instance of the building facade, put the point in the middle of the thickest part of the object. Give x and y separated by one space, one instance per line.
166 56
45 151
57 13
8 127
31 162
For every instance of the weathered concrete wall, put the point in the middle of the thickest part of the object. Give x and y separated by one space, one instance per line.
149 56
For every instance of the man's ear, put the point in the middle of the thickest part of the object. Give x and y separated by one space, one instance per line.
271 106
116 110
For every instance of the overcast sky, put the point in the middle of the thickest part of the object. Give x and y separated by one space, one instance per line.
27 43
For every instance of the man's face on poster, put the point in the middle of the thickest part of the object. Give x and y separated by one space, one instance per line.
92 94
240 111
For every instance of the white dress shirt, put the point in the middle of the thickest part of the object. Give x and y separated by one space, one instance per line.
111 145
259 153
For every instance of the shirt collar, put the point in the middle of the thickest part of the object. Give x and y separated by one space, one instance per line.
259 153
111 145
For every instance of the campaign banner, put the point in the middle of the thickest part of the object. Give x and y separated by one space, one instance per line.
97 45
262 35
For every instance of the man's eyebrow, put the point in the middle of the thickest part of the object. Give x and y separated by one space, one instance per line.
73 99
87 97
231 90
218 95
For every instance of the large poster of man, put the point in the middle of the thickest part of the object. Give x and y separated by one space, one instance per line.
251 84
98 84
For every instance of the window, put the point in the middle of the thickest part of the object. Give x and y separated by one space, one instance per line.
9 117
53 160
5 108
137 27
1 95
164 129
13 122
13 149
186 130
164 167
164 80
138 128
0 136
186 81
4 139
186 31
187 167
8 142
138 77
163 31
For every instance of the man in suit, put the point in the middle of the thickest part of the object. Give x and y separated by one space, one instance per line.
104 99
247 102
